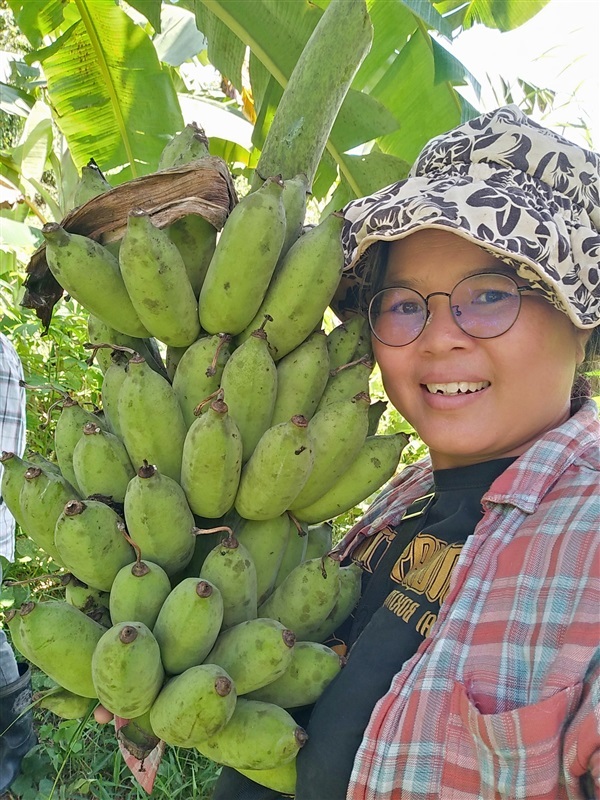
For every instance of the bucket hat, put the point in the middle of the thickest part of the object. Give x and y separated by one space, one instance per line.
522 192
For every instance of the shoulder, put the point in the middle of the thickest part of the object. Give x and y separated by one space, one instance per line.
408 484
9 359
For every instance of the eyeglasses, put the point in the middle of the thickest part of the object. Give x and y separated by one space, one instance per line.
484 306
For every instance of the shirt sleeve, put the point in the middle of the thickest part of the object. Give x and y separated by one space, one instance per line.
12 430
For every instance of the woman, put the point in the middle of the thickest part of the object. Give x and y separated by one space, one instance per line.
474 659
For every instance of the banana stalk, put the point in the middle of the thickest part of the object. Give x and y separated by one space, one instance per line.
315 92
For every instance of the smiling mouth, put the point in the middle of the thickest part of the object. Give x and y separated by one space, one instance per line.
458 387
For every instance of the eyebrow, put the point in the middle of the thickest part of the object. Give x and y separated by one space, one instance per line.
415 283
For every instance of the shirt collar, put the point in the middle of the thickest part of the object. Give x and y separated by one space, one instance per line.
530 477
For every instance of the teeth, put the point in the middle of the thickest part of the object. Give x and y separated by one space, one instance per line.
458 387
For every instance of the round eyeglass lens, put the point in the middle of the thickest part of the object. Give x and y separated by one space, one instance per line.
397 315
485 305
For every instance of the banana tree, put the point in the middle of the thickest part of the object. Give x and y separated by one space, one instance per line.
97 65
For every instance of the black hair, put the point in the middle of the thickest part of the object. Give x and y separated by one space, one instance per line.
376 262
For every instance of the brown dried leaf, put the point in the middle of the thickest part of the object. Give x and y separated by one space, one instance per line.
203 187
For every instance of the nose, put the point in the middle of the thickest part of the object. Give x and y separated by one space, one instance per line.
441 331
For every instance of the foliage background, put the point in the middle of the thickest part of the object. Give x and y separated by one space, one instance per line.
113 81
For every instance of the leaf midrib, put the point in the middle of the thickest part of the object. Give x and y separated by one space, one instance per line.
107 75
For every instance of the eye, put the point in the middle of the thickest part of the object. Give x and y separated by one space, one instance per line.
405 308
491 296
400 303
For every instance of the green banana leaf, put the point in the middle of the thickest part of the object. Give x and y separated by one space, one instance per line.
113 100
37 18
179 39
15 101
505 15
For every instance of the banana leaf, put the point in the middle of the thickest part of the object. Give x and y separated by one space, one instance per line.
107 84
505 15
113 100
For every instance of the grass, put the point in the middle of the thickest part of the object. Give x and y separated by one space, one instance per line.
80 760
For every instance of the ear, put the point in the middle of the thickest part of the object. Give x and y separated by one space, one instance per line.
581 339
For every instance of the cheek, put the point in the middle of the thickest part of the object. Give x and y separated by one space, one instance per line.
393 368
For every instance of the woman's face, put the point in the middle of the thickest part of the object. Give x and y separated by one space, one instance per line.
526 372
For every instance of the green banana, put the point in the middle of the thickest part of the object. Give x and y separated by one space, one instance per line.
348 597
364 348
302 288
13 478
254 653
127 670
159 519
295 551
13 620
138 592
157 282
258 736
172 358
199 372
193 706
137 736
91 183
37 460
69 430
346 382
90 542
338 432
190 144
212 462
92 602
249 385
112 381
90 274
151 421
229 566
196 239
313 666
343 340
375 464
188 624
101 463
64 704
301 379
318 540
294 204
42 499
244 260
376 411
305 597
280 779
203 545
266 541
101 333
277 470
60 640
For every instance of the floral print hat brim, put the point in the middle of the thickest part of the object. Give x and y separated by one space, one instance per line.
524 193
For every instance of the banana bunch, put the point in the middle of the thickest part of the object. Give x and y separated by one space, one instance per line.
191 516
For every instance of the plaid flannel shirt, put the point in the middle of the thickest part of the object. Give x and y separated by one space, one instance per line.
502 700
12 430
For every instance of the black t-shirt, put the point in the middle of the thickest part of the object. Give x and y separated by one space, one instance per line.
407 574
